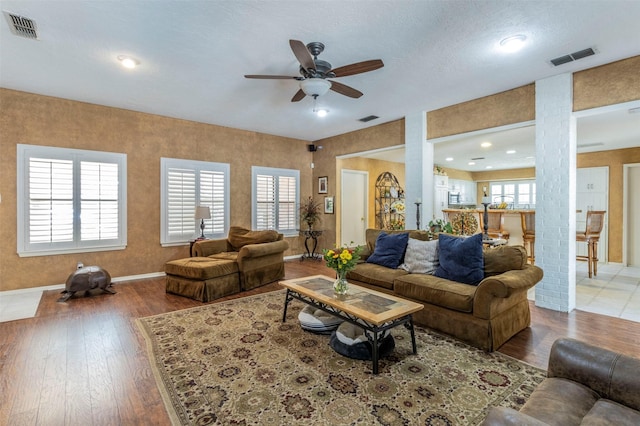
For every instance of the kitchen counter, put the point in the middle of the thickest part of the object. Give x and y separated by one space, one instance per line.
512 221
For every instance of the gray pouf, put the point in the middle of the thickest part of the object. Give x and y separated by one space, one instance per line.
349 340
317 320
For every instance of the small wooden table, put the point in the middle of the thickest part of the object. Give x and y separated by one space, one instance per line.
371 310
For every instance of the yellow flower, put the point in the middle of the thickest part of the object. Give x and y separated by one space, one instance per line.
330 253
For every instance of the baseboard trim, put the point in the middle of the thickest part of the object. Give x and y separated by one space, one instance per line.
61 286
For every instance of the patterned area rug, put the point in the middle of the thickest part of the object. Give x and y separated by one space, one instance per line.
237 363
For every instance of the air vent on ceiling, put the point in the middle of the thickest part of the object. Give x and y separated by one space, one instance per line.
477 158
368 118
573 56
21 26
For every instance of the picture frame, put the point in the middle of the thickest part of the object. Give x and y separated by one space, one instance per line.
323 185
328 205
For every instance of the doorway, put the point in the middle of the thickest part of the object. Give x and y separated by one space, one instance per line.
354 193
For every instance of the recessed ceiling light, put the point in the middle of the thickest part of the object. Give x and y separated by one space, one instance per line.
128 61
511 151
471 163
322 112
449 159
489 167
485 144
513 43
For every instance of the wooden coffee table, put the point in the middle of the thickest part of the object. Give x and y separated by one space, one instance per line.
371 310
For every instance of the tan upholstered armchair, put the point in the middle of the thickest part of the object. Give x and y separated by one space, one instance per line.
259 254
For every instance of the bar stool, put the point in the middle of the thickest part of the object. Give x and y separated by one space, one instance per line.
495 224
528 220
591 236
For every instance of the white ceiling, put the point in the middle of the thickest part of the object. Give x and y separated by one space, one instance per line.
194 54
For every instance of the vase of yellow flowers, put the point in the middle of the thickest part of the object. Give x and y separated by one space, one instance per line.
342 260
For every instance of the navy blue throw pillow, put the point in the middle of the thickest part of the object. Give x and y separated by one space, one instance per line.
389 250
461 259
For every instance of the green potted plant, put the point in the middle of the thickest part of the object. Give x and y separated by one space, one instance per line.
439 225
310 212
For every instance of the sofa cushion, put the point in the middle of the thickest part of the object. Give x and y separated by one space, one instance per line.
377 275
239 237
461 259
227 255
389 250
421 257
560 401
436 291
200 268
607 412
498 260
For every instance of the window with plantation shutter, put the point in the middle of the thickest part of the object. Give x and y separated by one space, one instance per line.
275 195
185 185
519 194
70 200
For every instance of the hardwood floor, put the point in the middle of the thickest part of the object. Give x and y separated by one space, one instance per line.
84 362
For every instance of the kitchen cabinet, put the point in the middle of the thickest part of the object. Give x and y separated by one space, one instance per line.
440 195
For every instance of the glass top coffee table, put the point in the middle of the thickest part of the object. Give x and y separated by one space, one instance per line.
371 310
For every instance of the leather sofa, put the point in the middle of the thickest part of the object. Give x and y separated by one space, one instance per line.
484 316
244 260
585 385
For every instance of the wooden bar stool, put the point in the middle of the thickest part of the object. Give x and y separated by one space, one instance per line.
591 236
528 220
495 224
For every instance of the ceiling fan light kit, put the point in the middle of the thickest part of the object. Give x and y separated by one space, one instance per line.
315 72
315 86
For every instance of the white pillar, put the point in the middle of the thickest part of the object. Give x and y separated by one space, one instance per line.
555 245
418 170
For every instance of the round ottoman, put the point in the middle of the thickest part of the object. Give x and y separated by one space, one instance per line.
350 340
317 320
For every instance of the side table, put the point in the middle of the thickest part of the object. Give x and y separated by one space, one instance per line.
311 234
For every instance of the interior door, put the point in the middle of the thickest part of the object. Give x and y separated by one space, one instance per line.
354 194
632 228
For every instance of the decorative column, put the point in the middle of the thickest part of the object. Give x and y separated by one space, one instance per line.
418 169
556 193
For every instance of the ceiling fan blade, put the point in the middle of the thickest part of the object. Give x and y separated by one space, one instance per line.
272 77
358 68
343 89
302 54
298 96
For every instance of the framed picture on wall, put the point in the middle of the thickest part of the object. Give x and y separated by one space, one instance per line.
323 183
328 205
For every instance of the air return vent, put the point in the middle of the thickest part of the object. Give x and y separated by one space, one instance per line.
573 57
21 26
368 118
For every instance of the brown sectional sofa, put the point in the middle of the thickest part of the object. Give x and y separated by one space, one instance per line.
244 260
485 316
585 385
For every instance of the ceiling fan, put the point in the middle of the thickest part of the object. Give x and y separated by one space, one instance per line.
314 72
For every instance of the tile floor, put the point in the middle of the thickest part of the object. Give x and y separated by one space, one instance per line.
614 292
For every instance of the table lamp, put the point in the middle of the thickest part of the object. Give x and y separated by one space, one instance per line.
202 213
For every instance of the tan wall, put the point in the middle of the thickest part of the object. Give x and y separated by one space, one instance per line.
609 84
510 107
40 120
376 137
615 160
375 169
